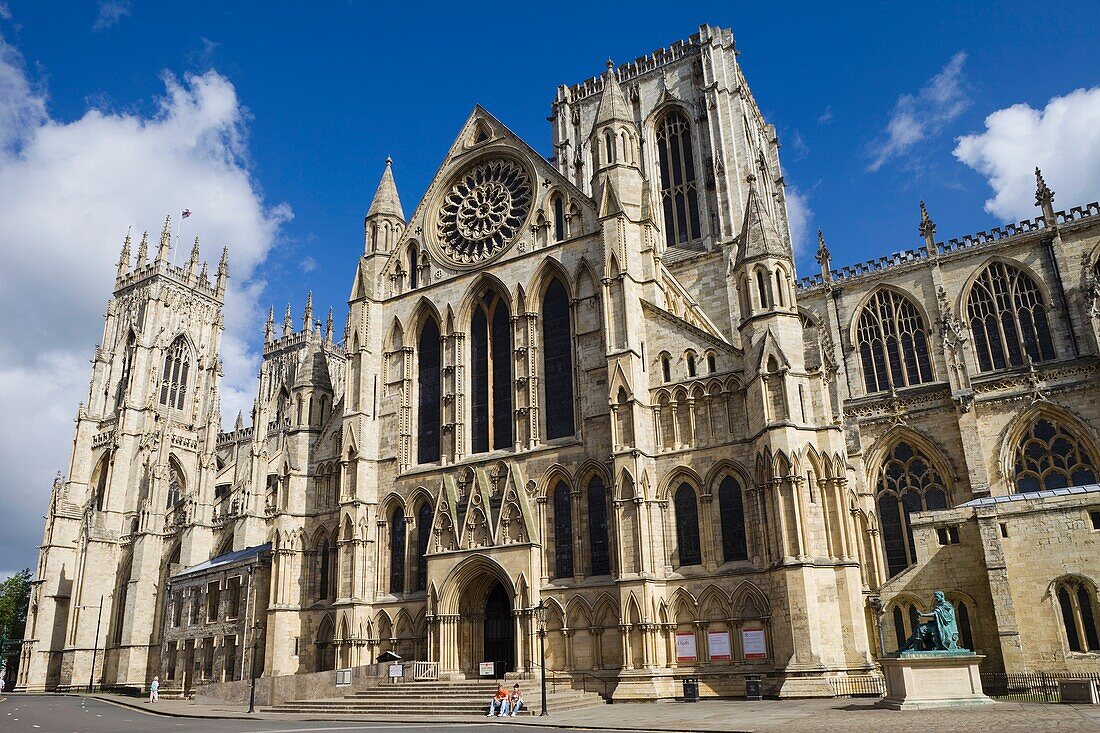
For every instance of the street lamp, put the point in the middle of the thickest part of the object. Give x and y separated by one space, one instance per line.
540 616
879 609
252 669
95 647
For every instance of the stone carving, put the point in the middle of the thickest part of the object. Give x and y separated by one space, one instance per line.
941 634
484 211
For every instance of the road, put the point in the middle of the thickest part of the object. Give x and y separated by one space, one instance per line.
72 714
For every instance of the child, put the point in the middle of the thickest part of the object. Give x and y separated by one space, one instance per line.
154 689
515 700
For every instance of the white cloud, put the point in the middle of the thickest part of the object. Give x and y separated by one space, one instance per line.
800 216
1063 139
917 118
68 191
308 264
826 116
110 13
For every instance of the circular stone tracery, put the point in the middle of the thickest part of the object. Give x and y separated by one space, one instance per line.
484 210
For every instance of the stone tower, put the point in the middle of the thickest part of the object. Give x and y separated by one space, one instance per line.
137 501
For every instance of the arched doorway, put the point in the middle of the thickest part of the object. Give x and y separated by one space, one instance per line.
499 632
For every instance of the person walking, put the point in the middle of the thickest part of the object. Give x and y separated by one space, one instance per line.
154 689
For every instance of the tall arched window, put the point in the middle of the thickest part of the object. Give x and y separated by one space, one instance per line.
127 368
423 537
559 219
175 484
687 526
1077 604
557 361
679 190
689 357
732 511
1049 456
428 418
491 374
907 483
323 572
1008 318
598 541
414 266
893 343
100 482
966 634
397 551
666 368
173 384
563 531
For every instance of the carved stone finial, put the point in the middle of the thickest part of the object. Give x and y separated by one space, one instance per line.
610 64
927 229
165 239
288 322
328 326
1043 195
269 327
307 316
124 256
143 250
824 258
223 269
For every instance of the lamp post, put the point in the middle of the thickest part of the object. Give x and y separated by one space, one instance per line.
252 669
540 616
877 607
95 647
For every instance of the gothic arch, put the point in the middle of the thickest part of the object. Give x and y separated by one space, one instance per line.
392 499
555 473
878 453
422 310
677 476
714 604
584 280
579 612
748 601
968 284
590 468
866 298
484 281
682 602
547 270
1016 429
465 572
728 467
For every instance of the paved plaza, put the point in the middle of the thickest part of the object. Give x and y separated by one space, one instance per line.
111 714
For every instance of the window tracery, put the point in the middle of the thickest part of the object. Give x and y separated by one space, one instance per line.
598 535
423 538
1008 319
428 416
679 188
491 374
908 482
177 363
1049 456
563 531
557 359
1077 607
893 343
484 210
397 551
732 511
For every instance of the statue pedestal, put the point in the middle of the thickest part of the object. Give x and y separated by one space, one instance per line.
923 680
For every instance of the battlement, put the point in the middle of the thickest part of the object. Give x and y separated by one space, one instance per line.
956 244
180 275
647 63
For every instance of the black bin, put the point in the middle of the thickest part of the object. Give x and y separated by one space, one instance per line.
691 689
752 687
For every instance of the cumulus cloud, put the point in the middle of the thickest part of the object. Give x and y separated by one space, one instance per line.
1063 139
110 13
918 117
69 190
800 216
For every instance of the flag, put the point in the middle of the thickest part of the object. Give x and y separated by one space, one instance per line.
185 213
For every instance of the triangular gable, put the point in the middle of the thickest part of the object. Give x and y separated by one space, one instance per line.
766 347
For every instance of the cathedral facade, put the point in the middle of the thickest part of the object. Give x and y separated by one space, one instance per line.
594 384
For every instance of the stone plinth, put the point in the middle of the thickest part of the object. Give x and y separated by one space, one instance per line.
923 680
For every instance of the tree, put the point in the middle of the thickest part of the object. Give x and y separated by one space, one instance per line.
15 595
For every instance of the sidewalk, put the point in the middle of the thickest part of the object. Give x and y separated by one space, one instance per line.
766 716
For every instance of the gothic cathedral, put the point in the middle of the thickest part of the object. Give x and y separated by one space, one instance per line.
594 386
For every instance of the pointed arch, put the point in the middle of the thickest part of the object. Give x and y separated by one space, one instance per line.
678 182
1007 308
599 534
891 333
175 373
562 507
1047 447
686 504
557 354
491 365
429 369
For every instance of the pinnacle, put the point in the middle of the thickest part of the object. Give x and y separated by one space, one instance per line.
386 201
759 235
613 104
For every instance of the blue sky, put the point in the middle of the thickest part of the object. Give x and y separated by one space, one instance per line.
272 122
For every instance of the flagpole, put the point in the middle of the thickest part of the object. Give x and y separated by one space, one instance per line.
179 225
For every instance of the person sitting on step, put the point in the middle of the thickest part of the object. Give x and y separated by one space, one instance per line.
515 700
499 703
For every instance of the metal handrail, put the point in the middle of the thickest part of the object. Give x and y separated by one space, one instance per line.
556 676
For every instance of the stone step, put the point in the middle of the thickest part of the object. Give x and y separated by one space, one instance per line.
405 699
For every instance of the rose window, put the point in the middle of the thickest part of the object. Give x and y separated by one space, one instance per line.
484 210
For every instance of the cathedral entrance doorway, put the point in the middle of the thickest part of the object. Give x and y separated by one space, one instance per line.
499 634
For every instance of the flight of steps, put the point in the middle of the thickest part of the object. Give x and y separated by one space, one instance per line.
447 698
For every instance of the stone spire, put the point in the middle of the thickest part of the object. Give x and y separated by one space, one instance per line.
759 235
386 202
193 262
288 322
824 258
223 271
927 230
269 327
328 326
307 316
143 250
239 425
165 240
613 105
204 278
124 256
1044 197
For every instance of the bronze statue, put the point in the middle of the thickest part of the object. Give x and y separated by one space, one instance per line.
941 634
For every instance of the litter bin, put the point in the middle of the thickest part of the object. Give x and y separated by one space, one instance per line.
752 687
691 689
